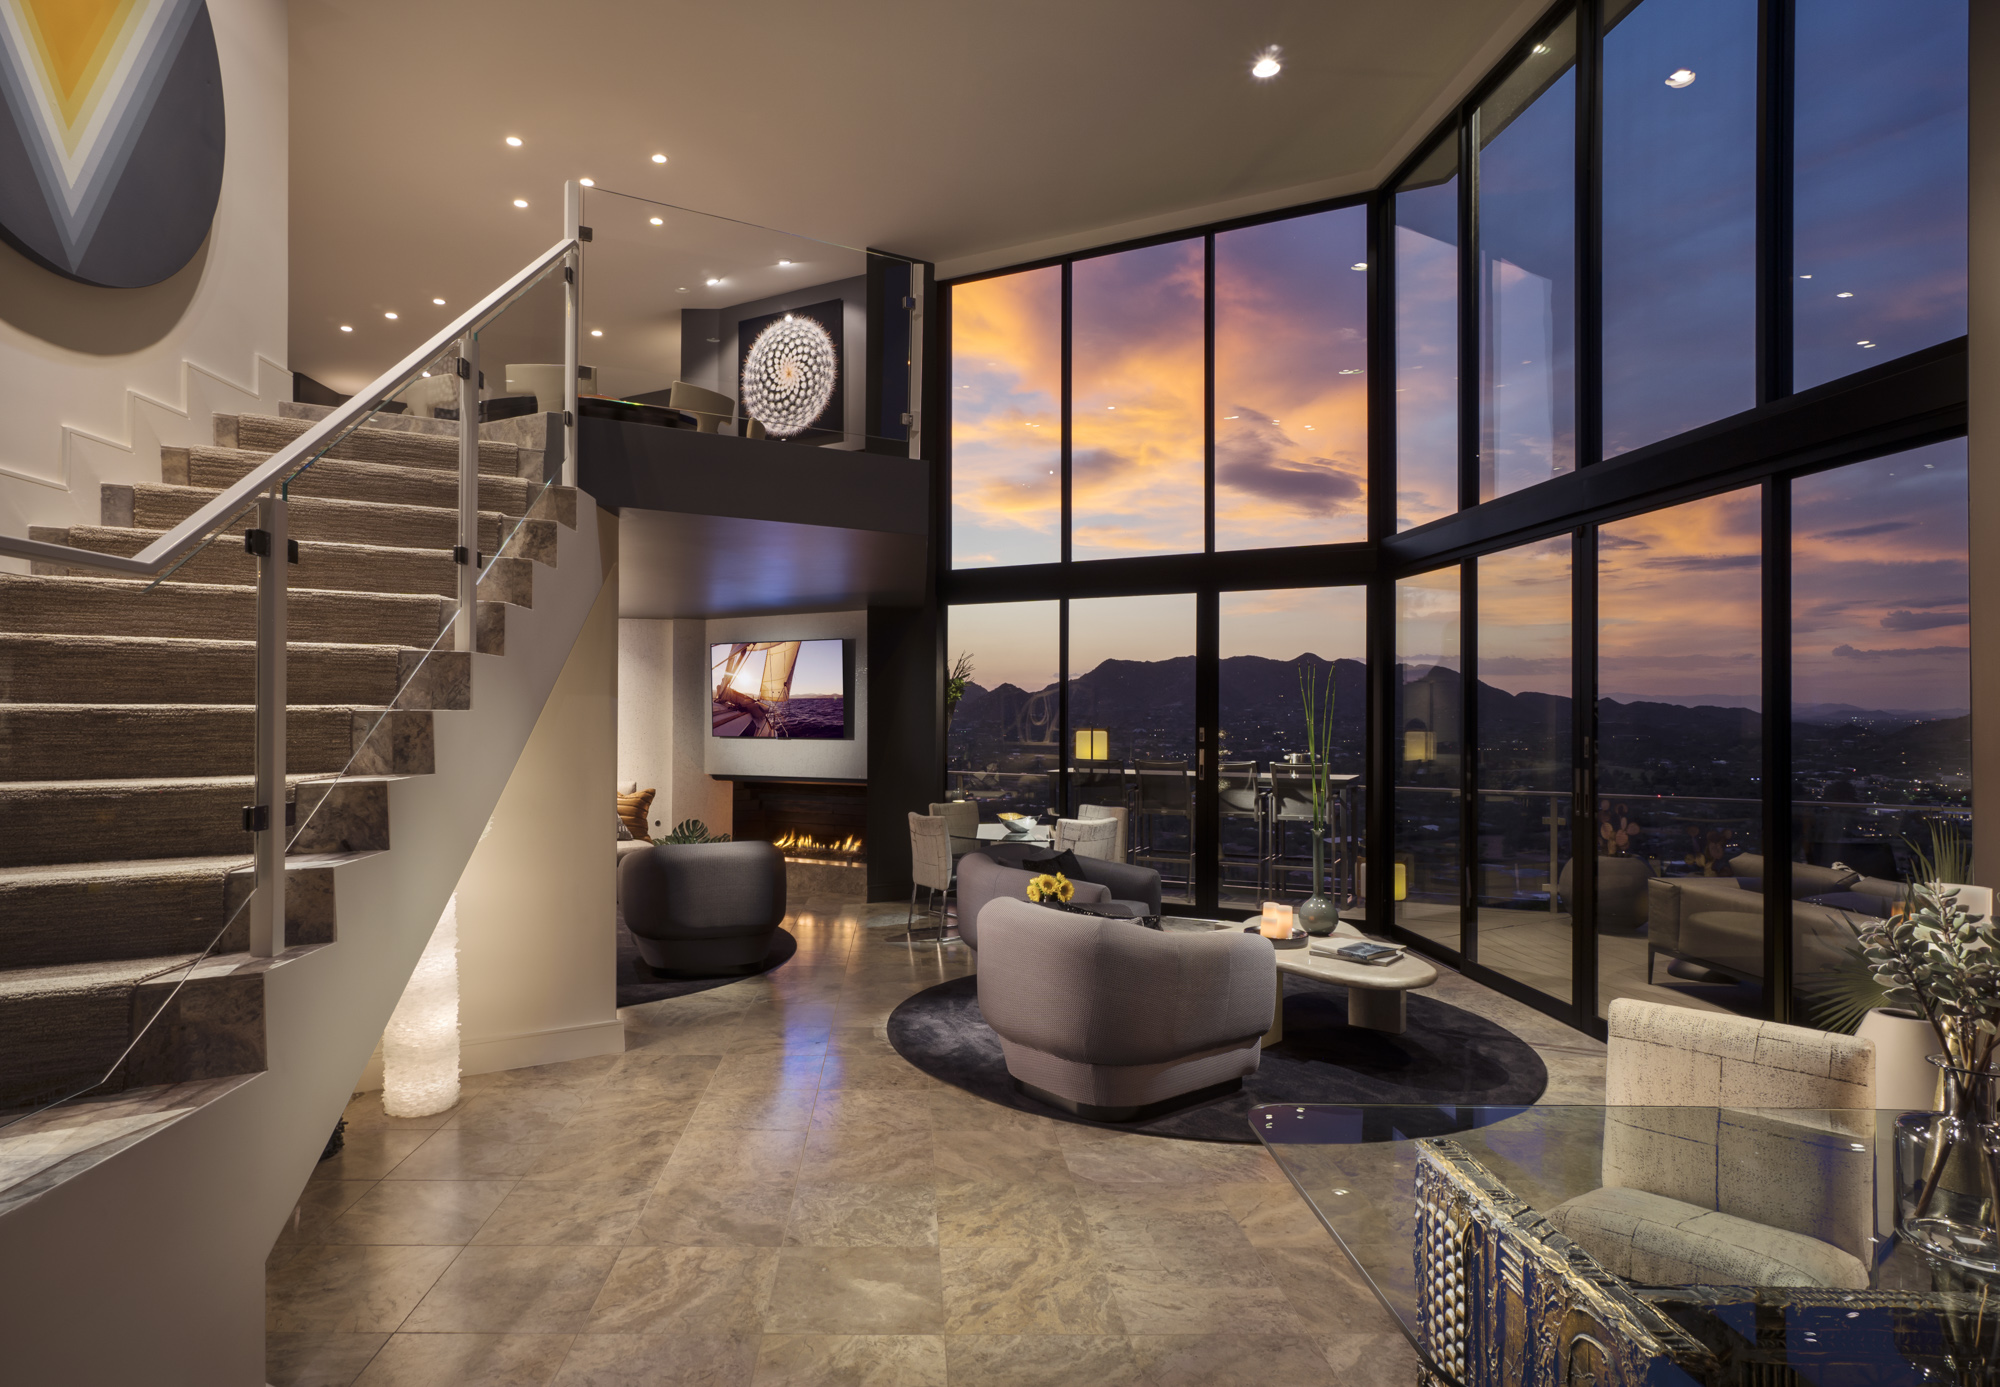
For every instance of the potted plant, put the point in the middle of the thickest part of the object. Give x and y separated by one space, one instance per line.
1316 913
955 681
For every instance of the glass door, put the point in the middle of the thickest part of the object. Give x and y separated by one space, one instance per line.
1268 643
1524 814
1426 880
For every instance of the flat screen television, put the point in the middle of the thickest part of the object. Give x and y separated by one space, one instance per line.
795 690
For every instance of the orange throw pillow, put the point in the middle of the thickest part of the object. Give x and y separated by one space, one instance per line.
632 809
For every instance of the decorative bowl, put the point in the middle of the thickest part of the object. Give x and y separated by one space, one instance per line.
1016 823
1298 940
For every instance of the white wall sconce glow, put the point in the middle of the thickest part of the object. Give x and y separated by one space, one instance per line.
658 222
520 202
713 282
513 141
1680 77
438 302
659 158
345 328
1843 294
597 332
390 316
1265 65
420 1046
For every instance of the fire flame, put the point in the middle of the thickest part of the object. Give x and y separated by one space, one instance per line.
795 841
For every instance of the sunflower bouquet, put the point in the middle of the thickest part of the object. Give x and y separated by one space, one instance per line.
1051 889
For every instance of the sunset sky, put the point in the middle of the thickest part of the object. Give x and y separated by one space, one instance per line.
1880 256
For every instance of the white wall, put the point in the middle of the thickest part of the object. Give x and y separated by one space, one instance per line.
537 952
663 721
93 380
830 760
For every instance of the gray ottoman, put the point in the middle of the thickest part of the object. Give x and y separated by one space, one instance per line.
703 909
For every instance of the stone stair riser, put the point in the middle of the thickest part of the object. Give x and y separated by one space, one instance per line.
341 479
149 507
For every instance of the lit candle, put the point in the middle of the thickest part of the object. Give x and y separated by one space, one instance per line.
1277 921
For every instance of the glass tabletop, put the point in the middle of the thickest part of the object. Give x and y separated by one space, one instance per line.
1560 1244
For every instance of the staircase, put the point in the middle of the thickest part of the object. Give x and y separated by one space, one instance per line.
125 762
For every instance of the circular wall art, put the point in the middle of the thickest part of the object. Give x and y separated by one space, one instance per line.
788 375
111 135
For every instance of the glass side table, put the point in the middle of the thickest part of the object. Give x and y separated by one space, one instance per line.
1574 1246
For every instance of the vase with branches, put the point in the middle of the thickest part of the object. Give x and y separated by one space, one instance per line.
1317 914
1941 962
955 681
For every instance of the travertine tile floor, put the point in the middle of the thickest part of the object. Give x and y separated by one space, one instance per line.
760 1191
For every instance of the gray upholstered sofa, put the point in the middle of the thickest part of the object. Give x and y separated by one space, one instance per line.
1113 1021
996 871
1718 922
703 909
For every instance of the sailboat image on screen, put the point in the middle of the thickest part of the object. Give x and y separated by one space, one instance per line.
790 689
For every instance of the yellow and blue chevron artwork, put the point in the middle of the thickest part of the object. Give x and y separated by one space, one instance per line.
111 135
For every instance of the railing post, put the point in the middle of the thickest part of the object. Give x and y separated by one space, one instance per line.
465 631
267 911
572 325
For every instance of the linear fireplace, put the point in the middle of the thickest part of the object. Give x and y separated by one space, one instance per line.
816 819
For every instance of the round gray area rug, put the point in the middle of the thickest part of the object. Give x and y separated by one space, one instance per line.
1448 1058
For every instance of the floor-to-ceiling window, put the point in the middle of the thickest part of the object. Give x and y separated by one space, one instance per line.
1662 585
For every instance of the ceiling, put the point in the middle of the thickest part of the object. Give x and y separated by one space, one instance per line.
969 135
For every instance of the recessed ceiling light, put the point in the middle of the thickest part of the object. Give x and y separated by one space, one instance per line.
597 332
1266 65
784 262
1805 276
438 302
1681 77
1359 265
345 328
1540 49
390 316
659 158
658 222
427 375
588 182
514 141
520 202
714 282
1864 342
1843 294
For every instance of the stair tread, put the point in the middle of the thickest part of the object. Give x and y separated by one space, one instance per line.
43 1150
62 979
315 502
190 781
390 472
140 868
306 546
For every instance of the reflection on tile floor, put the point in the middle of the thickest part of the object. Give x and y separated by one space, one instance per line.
760 1191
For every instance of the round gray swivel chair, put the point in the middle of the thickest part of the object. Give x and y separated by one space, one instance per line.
703 909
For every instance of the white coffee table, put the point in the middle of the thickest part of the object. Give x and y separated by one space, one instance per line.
1376 992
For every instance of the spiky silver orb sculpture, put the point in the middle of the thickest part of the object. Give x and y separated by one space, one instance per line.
789 374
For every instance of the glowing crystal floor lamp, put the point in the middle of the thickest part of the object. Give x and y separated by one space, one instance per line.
420 1047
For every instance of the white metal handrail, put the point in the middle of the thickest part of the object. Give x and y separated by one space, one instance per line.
162 553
